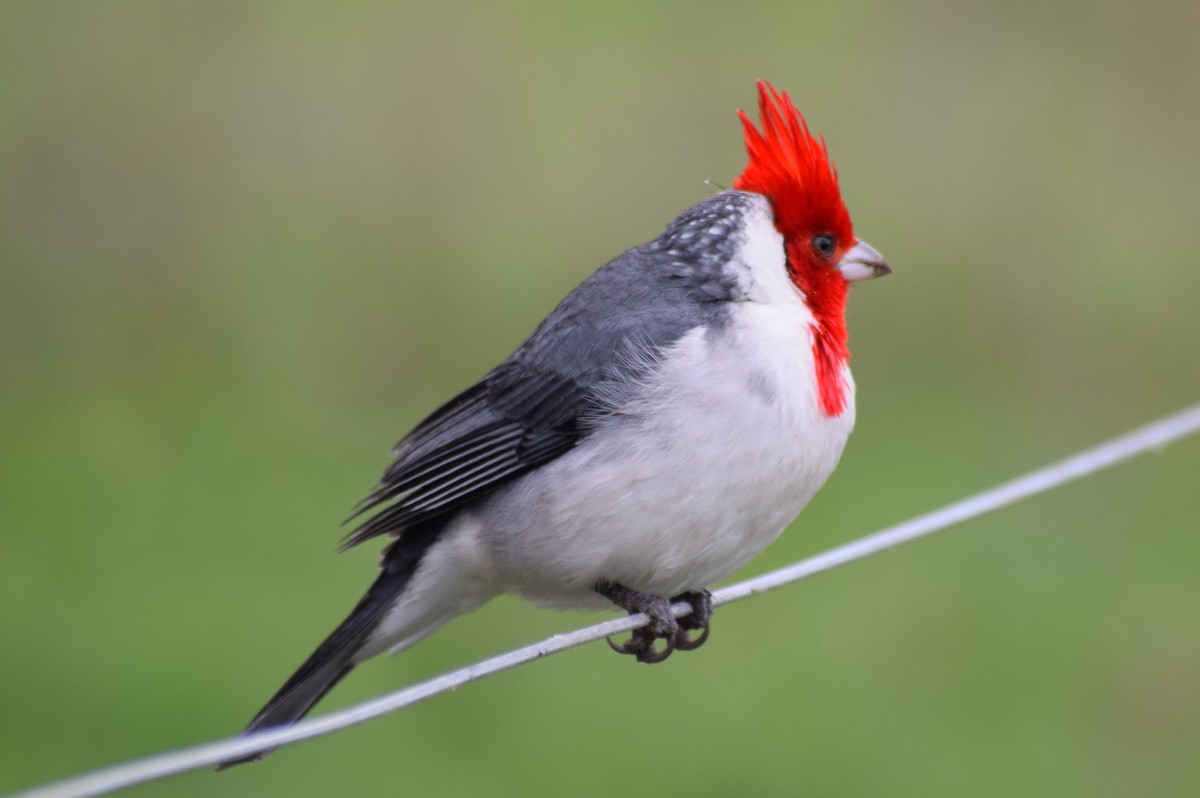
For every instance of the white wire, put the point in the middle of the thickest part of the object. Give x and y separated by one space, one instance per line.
1155 435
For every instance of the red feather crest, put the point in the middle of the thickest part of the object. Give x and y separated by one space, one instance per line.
792 168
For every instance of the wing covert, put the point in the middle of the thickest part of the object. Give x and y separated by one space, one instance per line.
585 355
503 426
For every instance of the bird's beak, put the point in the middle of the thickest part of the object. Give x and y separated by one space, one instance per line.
862 262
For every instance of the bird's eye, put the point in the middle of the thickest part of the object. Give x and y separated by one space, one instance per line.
824 244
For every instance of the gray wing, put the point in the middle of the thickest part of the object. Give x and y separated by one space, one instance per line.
533 407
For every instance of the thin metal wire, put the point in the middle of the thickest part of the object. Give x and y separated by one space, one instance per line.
1153 436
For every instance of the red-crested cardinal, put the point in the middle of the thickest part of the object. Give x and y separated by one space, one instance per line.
662 426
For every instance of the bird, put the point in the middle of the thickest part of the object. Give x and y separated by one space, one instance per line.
664 424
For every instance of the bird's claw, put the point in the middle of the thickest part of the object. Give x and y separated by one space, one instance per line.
685 642
699 618
643 645
662 625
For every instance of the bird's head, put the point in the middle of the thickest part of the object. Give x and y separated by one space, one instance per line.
792 169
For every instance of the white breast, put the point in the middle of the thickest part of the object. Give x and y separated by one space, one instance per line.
685 482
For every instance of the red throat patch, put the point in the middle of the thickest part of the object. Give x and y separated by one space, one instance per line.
791 168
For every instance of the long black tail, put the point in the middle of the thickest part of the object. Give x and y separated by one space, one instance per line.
327 665
334 658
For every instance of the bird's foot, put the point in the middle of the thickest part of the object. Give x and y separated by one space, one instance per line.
643 643
699 618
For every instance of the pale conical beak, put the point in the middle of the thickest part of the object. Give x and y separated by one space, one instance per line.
862 262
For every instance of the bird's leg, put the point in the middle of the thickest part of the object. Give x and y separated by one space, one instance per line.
662 623
701 614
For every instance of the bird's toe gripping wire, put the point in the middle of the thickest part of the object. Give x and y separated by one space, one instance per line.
643 643
699 618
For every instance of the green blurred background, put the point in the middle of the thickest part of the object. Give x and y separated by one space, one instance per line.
245 246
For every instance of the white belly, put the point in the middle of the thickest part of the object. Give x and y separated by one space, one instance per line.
683 484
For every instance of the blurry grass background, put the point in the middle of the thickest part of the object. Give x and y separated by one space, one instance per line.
245 246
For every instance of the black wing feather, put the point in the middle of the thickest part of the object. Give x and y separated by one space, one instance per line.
499 428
